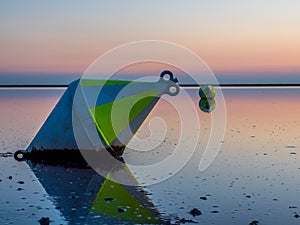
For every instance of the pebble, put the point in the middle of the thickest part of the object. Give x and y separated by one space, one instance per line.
44 221
183 220
108 200
195 212
120 210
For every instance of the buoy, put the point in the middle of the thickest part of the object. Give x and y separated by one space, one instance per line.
207 92
72 120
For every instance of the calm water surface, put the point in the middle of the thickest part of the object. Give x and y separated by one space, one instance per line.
255 177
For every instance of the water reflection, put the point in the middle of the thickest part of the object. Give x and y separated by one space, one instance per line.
256 177
85 197
207 105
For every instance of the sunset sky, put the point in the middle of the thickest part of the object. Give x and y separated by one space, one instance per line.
240 40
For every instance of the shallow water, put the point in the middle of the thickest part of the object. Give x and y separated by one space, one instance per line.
255 177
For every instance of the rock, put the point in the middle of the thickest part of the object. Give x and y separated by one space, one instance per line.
20 182
10 177
44 221
108 200
203 198
296 215
215 211
195 212
120 210
183 220
254 222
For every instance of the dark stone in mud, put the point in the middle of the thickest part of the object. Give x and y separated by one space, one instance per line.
254 222
296 215
291 146
215 211
10 177
58 208
195 212
108 200
44 221
183 220
72 196
120 210
20 182
203 198
20 189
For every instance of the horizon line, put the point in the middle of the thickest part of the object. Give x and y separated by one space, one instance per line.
181 85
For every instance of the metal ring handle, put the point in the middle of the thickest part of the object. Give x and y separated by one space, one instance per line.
173 93
168 72
20 155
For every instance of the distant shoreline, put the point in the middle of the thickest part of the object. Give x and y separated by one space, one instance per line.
181 85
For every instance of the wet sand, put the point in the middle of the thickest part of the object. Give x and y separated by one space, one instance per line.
254 179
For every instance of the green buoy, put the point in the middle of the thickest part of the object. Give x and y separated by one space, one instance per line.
207 92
